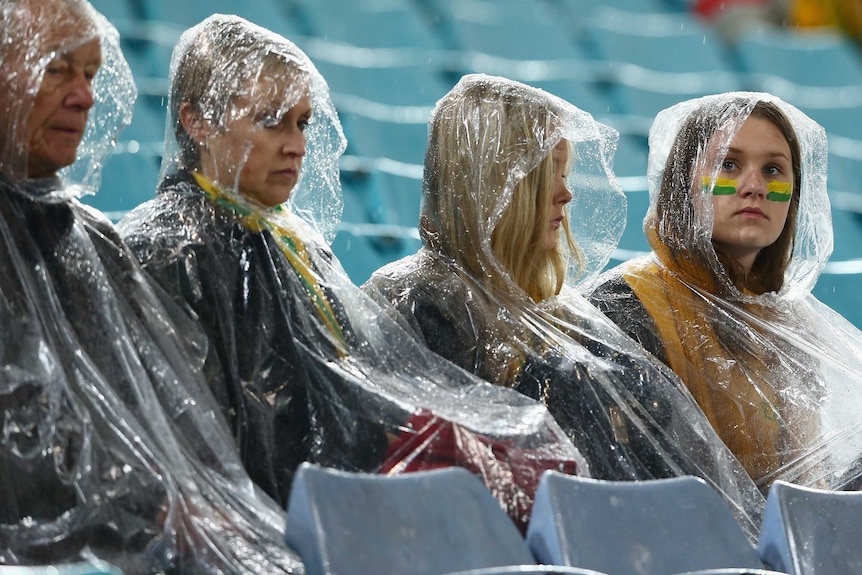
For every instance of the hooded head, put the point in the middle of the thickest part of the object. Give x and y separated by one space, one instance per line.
709 153
66 91
507 168
249 111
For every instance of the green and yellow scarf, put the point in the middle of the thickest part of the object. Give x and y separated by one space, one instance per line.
291 246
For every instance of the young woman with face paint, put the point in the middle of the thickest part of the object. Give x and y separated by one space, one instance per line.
739 226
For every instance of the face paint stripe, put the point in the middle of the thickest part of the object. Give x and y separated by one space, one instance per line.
779 191
722 187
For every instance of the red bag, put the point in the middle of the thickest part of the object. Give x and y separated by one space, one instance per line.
510 472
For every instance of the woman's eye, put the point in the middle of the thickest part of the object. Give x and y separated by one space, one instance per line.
773 170
727 165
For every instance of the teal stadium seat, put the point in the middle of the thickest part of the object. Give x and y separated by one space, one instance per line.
584 92
403 192
808 531
657 60
371 24
362 248
662 526
373 232
121 13
530 569
824 58
407 83
402 140
837 118
506 30
128 179
586 7
845 165
269 13
422 523
838 284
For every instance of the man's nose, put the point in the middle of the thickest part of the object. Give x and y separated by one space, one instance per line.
80 93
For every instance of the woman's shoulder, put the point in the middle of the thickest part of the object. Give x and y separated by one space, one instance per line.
177 216
616 299
421 277
179 219
613 287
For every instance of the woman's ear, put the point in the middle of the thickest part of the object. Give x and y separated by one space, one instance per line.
192 123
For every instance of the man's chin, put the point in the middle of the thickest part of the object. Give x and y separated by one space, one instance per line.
48 167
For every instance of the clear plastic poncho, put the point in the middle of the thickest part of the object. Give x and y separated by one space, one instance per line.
306 367
111 445
776 371
487 292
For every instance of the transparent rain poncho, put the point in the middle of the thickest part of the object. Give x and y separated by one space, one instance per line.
306 367
487 292
777 372
111 445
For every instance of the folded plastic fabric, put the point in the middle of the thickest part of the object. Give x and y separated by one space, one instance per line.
111 445
725 297
519 204
306 367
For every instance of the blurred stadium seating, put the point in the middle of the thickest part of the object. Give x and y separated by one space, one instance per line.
388 61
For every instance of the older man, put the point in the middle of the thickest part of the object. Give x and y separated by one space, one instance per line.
111 445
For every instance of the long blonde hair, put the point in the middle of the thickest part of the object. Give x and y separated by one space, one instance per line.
488 186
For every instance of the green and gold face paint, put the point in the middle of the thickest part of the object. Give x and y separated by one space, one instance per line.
779 191
775 191
723 186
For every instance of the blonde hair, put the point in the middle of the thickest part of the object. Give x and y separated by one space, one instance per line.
482 141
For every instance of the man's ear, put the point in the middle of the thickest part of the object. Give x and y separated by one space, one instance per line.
192 123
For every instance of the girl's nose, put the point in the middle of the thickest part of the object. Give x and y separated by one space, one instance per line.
753 184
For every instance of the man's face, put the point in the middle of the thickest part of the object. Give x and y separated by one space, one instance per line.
58 118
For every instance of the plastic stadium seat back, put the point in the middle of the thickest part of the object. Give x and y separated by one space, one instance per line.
586 95
661 43
662 526
398 84
838 119
362 249
809 531
426 522
647 99
387 25
119 12
391 138
586 7
633 242
516 34
268 13
531 569
826 59
403 193
128 179
840 291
